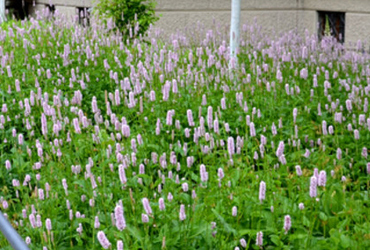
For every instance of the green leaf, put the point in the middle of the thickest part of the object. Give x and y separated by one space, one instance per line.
306 222
275 239
227 227
246 232
323 216
134 232
345 241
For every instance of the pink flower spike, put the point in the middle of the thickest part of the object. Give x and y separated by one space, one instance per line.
262 193
104 242
147 207
287 223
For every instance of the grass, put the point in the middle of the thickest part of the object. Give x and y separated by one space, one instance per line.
63 69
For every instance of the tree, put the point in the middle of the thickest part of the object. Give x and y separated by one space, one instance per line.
134 15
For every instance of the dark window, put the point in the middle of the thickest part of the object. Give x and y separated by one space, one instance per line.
333 23
51 10
16 9
83 16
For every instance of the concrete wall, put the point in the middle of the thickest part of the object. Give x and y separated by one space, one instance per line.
272 15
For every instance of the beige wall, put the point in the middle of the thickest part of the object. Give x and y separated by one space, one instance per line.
272 15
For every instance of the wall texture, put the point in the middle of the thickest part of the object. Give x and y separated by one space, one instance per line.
272 15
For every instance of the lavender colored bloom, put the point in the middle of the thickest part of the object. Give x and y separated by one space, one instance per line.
273 129
234 211
144 218
193 194
287 223
262 192
204 100
203 173
243 243
161 204
119 245
125 130
166 90
252 129
331 130
223 103
146 205
185 187
76 125
38 221
9 70
307 153
94 105
4 108
5 204
298 170
322 178
8 166
169 197
313 187
220 173
32 219
190 118
227 127
231 146
20 139
65 186
364 152
187 132
41 194
259 239
356 134
117 98
119 218
349 105
349 127
104 242
152 96
96 222
122 174
301 206
295 113
280 149
324 128
48 224
339 153
182 214
210 117
169 117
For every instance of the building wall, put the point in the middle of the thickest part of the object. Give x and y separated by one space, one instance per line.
272 15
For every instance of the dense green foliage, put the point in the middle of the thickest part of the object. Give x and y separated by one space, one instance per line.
87 86
134 15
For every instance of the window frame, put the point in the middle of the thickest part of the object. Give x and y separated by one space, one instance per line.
337 23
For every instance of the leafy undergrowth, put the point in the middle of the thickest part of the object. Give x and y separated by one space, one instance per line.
156 144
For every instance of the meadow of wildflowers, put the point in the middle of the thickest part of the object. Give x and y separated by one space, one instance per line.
156 143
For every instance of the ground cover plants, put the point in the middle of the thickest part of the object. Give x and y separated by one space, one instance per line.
155 143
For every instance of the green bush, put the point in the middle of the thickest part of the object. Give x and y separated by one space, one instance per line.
128 14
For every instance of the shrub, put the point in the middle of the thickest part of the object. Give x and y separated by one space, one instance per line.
126 14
